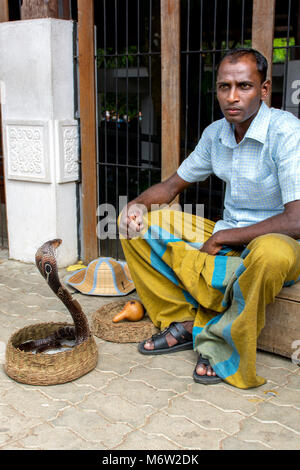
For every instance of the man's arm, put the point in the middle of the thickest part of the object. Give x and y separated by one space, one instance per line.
161 193
287 223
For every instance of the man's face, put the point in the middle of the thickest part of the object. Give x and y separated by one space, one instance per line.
239 89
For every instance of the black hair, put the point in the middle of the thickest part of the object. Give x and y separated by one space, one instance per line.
233 55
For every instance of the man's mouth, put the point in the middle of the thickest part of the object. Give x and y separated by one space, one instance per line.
233 111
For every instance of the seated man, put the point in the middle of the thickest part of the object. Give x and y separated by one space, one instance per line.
212 295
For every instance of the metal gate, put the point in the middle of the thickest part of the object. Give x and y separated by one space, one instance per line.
128 72
129 108
208 30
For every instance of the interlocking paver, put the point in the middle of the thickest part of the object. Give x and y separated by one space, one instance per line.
293 382
277 376
160 379
285 416
31 403
92 427
174 364
232 443
205 414
15 425
117 364
116 409
287 397
130 400
68 393
223 397
47 437
95 380
270 434
139 391
140 440
183 432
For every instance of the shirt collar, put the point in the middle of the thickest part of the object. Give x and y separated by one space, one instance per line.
258 128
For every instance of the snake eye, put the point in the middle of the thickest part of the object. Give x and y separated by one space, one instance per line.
48 268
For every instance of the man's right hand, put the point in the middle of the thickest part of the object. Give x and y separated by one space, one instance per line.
131 220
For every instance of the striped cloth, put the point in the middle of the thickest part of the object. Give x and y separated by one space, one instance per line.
224 295
262 172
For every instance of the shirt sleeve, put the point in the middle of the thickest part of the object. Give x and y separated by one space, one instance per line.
289 166
197 166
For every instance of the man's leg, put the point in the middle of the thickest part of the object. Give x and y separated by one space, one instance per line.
230 341
171 275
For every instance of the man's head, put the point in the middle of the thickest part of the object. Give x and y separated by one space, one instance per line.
242 84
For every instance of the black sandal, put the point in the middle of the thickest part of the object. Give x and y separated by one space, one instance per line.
177 330
205 379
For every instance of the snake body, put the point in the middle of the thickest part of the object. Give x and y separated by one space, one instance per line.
46 263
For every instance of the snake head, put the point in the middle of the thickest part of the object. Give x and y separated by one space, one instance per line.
45 260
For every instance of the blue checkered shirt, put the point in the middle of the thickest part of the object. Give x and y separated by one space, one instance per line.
262 172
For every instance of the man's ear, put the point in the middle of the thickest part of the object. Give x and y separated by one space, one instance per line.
265 89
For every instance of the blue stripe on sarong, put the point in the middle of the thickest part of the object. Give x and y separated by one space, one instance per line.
158 246
230 366
290 283
162 267
219 273
190 299
197 329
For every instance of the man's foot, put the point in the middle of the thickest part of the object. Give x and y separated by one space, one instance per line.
177 337
171 340
204 374
202 369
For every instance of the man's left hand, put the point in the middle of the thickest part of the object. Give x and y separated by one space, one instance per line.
212 246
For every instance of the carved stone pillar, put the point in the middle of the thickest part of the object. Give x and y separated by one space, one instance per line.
40 136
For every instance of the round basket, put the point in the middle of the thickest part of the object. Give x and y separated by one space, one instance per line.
123 332
48 369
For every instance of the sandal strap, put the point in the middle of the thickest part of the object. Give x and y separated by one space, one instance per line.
202 360
177 331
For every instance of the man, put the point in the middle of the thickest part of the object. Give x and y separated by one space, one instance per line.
219 291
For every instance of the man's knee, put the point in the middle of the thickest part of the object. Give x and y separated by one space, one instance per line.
273 250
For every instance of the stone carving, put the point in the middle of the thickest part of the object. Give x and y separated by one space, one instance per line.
28 150
27 153
69 147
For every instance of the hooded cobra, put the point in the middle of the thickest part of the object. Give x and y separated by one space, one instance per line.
45 260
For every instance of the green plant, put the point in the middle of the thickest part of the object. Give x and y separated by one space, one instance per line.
125 58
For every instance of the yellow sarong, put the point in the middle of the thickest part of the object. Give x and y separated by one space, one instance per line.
225 295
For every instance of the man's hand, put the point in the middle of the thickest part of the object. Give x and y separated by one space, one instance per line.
212 246
131 220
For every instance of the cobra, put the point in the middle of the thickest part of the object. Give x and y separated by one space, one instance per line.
45 260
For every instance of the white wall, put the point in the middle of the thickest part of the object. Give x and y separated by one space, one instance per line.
40 136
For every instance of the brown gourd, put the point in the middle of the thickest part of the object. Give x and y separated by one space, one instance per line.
132 311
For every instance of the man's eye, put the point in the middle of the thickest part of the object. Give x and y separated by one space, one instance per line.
245 86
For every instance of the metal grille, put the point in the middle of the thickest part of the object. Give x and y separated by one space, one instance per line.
129 105
208 29
286 57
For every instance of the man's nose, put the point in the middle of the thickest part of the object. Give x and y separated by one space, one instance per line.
233 95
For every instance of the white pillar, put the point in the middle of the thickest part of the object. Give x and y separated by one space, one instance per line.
40 136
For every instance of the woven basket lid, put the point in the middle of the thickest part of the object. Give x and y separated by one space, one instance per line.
103 276
124 331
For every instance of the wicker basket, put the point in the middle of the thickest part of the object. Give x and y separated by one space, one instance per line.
123 332
48 369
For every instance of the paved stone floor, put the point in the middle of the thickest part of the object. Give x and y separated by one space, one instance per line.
130 401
